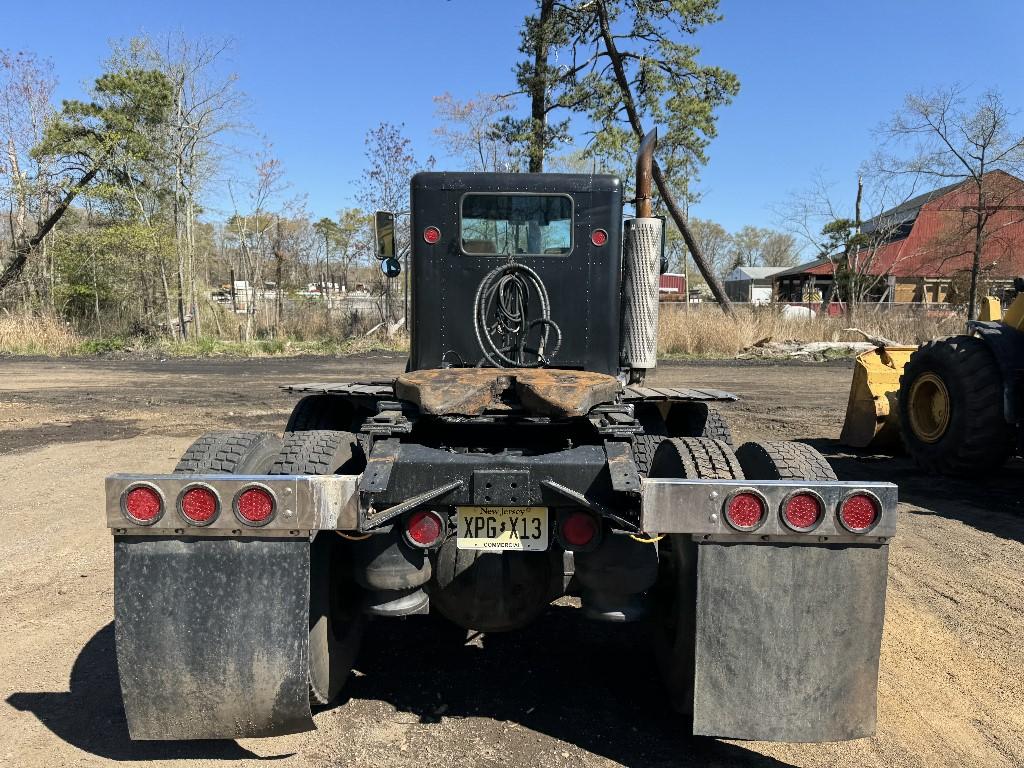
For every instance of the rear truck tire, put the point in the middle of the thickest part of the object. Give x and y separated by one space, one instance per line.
951 408
783 461
320 412
230 453
319 452
684 420
673 622
335 619
644 447
698 420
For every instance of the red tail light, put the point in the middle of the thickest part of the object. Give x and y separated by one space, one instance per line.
423 528
859 512
199 505
802 511
255 506
578 529
745 510
432 235
599 237
143 505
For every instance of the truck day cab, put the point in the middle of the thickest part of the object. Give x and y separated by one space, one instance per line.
521 457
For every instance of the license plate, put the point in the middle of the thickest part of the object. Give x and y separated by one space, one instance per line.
503 528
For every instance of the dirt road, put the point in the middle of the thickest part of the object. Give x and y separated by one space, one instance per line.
565 691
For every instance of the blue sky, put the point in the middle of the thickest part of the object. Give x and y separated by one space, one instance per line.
816 77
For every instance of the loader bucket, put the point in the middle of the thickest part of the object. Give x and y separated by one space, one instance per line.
872 413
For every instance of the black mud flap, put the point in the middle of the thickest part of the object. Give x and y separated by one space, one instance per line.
212 636
788 640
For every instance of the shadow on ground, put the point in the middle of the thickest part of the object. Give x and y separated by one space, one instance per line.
589 684
584 683
72 431
993 503
90 716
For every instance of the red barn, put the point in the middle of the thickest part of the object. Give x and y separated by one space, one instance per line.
928 243
672 283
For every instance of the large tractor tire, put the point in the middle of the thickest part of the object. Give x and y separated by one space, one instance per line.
675 595
335 616
951 408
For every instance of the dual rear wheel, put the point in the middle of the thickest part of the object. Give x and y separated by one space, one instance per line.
675 596
335 618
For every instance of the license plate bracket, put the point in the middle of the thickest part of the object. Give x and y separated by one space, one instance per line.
501 487
503 529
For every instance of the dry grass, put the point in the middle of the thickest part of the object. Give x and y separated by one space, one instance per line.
704 331
700 332
36 335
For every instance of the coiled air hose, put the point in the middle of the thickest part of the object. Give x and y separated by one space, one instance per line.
502 308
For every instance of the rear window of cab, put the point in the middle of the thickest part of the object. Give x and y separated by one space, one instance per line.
516 224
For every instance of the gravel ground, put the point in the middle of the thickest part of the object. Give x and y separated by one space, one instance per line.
571 692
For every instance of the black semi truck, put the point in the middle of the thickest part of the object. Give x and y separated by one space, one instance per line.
522 456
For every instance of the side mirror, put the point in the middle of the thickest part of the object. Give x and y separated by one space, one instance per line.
384 231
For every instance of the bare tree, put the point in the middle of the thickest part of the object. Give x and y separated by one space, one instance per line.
253 229
835 232
384 186
354 240
206 107
467 130
713 241
26 180
938 139
761 247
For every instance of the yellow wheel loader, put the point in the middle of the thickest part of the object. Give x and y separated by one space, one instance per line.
955 403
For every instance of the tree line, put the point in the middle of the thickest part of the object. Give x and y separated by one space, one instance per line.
111 198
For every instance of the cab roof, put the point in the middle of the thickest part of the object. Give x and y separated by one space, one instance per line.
469 181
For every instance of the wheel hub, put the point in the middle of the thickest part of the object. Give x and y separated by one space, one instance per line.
929 408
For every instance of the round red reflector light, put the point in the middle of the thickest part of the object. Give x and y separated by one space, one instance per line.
745 511
255 506
423 528
143 505
199 505
431 234
858 513
599 237
579 529
802 511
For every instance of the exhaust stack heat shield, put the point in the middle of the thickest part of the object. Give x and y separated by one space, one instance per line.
641 268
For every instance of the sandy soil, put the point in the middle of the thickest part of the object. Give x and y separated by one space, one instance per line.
571 692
